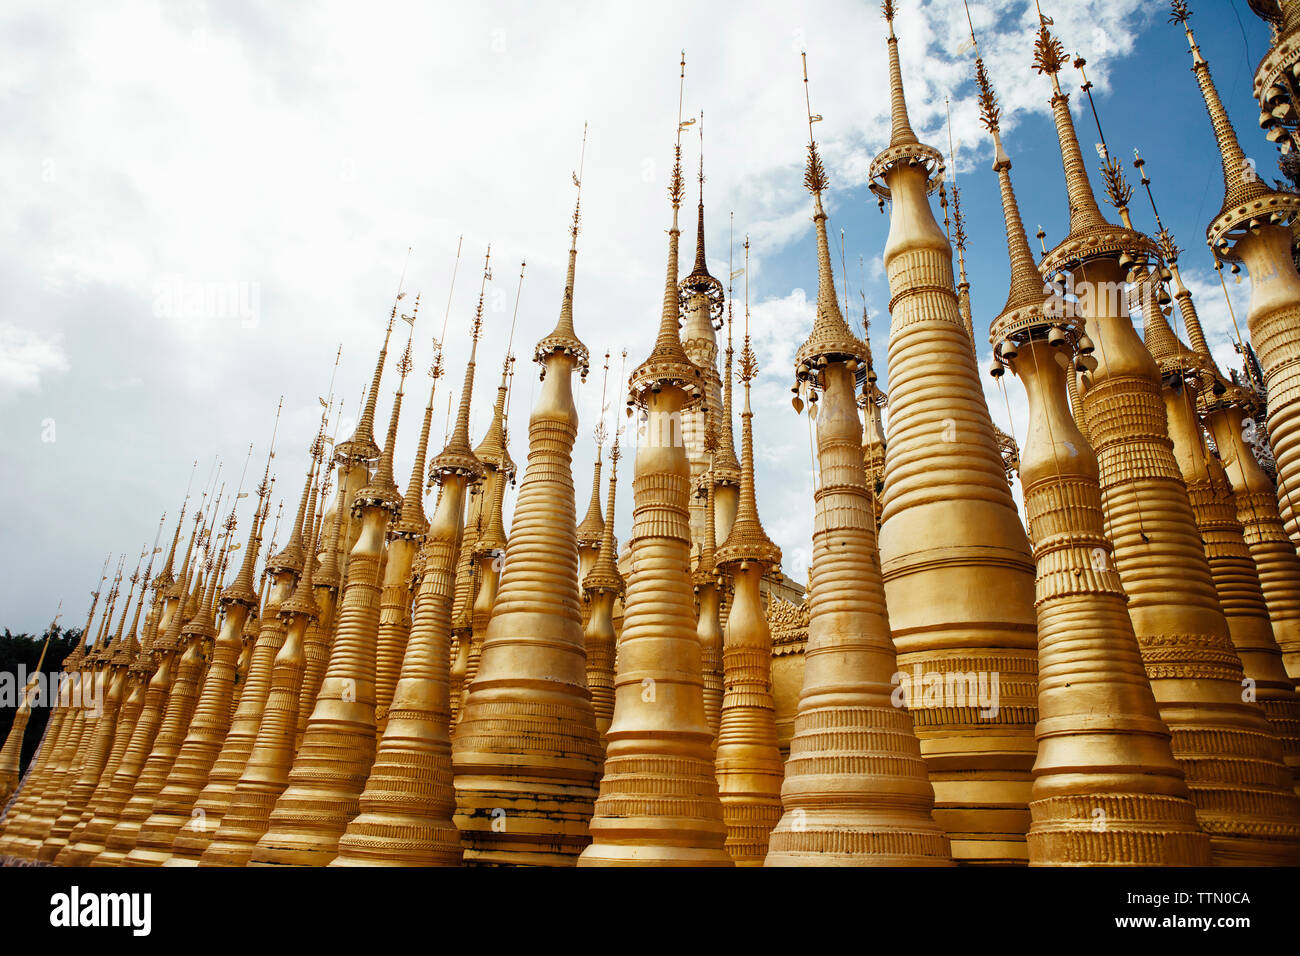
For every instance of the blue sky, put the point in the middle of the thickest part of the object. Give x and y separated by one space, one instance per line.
286 160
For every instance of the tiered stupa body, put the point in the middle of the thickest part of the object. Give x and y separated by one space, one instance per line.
182 651
338 748
1251 815
404 537
79 851
856 791
956 562
1227 410
173 808
146 700
266 772
32 783
1185 374
1107 790
748 761
406 809
658 803
283 570
111 679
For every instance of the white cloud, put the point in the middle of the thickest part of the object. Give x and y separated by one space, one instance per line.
26 355
299 153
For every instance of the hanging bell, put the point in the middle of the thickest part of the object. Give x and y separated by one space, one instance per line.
1086 363
996 368
1056 337
1086 347
1008 349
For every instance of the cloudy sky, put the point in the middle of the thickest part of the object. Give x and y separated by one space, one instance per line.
200 202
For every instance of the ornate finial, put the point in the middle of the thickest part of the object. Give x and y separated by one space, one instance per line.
959 221
814 177
700 282
458 457
591 527
1028 305
563 339
668 363
726 467
1164 238
1091 236
901 127
830 340
382 492
747 541
1247 200
1118 192
604 574
904 148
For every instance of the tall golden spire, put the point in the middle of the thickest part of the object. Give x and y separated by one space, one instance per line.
603 585
532 668
249 695
748 760
1255 227
709 588
458 455
361 446
725 466
658 802
592 526
1082 763
668 364
403 815
947 521
878 809
338 746
267 771
1181 631
900 126
174 807
959 243
1248 201
395 593
1090 235
830 337
564 339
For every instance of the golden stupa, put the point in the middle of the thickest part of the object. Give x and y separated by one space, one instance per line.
484 679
